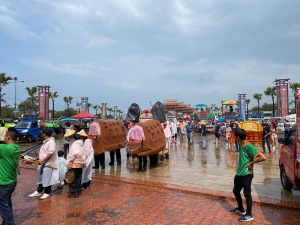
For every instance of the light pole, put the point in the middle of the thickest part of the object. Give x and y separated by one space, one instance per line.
15 79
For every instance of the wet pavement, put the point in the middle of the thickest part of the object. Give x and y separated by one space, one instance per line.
113 202
212 168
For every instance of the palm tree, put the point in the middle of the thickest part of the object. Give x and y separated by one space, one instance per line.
68 101
96 107
109 110
247 103
89 105
52 96
3 81
271 91
257 96
78 105
32 91
294 87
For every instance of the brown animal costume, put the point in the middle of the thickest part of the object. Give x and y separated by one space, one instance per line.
112 137
154 138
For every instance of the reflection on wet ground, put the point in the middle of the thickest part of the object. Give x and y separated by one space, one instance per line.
210 168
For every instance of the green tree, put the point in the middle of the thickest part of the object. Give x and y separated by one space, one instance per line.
32 91
271 91
247 103
68 100
89 105
294 87
96 108
109 110
78 105
53 96
4 79
257 96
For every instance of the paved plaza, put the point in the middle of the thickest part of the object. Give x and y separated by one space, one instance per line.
212 168
193 187
117 202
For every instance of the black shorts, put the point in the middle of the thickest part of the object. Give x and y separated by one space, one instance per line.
217 135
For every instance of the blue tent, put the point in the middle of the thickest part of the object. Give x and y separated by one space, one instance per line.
222 120
201 105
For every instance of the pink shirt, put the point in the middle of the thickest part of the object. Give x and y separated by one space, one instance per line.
167 130
76 153
49 148
94 129
136 133
88 147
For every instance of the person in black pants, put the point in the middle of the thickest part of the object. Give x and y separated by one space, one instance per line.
142 164
266 137
153 160
114 153
75 186
99 160
249 155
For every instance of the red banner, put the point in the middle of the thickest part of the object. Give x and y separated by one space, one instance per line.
282 89
44 105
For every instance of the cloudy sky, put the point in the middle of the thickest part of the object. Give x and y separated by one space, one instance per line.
124 51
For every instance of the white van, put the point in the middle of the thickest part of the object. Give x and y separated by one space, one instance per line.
291 120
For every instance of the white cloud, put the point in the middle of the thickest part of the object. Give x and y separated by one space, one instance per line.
10 25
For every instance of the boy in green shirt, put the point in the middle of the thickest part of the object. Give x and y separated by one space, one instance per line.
248 156
9 162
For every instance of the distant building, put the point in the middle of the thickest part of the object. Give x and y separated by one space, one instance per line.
172 105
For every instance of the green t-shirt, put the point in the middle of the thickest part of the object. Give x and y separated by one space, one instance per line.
9 162
246 156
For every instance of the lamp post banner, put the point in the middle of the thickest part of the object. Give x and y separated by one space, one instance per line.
282 90
242 106
84 103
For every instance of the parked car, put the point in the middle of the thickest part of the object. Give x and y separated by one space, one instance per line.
28 130
9 123
54 126
291 120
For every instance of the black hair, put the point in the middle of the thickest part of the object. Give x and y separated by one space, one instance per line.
76 128
12 135
2 124
47 132
77 137
60 153
241 133
68 124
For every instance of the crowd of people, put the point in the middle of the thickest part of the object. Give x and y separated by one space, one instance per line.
75 162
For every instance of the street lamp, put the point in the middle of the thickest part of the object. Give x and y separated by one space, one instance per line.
15 79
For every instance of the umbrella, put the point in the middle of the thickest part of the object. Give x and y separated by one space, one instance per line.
221 120
229 102
146 116
201 105
83 115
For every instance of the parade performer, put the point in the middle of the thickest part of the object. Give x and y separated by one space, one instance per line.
95 131
48 173
112 155
249 155
89 154
136 133
168 135
76 161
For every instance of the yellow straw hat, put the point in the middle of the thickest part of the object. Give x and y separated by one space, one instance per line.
202 122
82 133
69 133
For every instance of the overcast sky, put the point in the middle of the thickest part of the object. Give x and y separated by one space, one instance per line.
124 51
